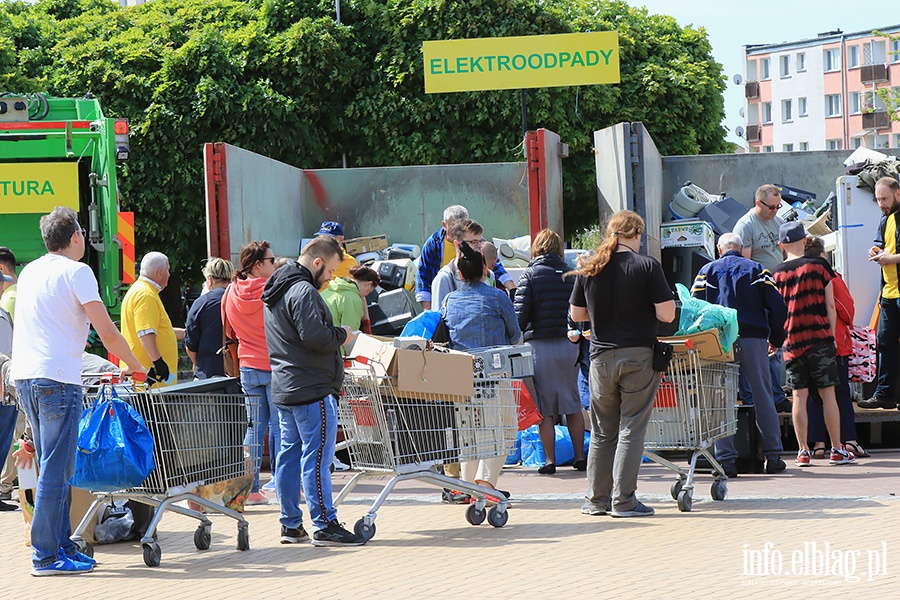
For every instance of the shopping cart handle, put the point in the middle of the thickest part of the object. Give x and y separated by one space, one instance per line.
348 362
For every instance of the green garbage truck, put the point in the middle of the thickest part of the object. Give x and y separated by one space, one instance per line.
64 152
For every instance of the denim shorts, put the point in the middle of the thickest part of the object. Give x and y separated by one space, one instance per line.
817 366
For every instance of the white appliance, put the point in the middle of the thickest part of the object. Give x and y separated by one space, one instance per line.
858 216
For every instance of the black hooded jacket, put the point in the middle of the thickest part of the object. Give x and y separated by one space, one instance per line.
304 346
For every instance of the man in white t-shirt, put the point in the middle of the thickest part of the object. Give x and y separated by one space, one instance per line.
58 301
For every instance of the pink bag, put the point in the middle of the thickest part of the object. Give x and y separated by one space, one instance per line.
863 360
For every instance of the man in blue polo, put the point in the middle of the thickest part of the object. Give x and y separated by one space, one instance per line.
746 286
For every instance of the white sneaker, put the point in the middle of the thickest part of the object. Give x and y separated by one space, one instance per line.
339 466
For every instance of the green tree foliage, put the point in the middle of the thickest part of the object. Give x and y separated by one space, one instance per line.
282 78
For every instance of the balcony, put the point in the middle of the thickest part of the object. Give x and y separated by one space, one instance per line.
873 73
876 120
751 89
753 133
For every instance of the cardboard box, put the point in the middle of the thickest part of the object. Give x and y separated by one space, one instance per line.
688 234
423 372
361 245
706 344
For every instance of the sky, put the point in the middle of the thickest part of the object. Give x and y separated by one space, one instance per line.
731 26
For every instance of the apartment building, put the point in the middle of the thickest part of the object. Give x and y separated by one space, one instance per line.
819 93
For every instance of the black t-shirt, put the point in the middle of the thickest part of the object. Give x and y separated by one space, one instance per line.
620 301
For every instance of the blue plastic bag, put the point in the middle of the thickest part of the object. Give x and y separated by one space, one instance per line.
422 325
533 452
515 455
699 315
115 447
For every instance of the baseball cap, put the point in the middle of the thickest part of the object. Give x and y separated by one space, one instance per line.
330 228
791 232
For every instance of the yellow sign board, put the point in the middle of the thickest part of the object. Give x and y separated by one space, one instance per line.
532 61
38 187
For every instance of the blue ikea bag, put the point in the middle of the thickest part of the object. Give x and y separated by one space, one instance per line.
115 447
424 324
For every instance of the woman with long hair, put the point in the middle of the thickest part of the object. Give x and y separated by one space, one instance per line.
542 307
624 294
243 308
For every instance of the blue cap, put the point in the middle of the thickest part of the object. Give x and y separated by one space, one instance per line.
330 228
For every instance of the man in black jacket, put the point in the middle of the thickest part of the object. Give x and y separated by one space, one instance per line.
886 252
307 373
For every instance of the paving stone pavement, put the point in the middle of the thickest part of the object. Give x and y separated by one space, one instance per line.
772 537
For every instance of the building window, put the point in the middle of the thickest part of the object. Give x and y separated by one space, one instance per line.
763 69
832 60
853 103
787 147
751 70
852 57
897 140
801 62
804 146
766 112
768 149
855 143
895 52
834 144
801 107
785 63
833 105
786 116
881 142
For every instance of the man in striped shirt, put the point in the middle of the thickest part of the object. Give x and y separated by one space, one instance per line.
809 352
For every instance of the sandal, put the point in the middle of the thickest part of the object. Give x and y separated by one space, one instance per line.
856 449
818 452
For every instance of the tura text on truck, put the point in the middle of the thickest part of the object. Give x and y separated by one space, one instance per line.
63 152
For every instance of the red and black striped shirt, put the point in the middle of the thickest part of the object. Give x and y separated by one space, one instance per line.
802 284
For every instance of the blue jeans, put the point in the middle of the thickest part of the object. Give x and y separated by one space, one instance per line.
887 342
308 434
8 416
584 374
776 368
53 409
261 415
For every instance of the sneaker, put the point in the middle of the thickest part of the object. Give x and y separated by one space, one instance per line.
270 485
730 469
335 535
340 466
256 499
775 465
5 495
454 497
802 458
639 510
292 535
839 456
4 506
877 403
80 557
63 566
591 509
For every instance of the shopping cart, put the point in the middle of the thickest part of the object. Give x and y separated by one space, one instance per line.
410 434
198 440
696 404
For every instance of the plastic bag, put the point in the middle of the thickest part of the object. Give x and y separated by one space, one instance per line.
699 315
528 412
429 325
115 447
533 452
116 527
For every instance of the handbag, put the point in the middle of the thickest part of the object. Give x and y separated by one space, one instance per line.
863 360
229 349
115 447
662 356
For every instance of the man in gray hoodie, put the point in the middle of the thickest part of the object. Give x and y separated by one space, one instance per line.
307 374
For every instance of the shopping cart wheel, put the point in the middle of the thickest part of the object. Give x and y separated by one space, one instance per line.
243 542
474 515
152 555
83 547
497 518
676 488
719 489
202 537
685 500
363 530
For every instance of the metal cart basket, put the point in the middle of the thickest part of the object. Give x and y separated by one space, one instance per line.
409 434
696 404
198 440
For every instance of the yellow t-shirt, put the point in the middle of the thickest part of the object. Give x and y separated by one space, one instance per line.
343 270
141 310
891 289
449 251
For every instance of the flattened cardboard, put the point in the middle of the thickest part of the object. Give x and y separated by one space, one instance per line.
706 343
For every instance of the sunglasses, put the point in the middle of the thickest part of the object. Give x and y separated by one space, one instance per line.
271 259
776 207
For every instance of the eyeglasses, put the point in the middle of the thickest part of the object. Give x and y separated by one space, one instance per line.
776 207
475 243
82 230
269 258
